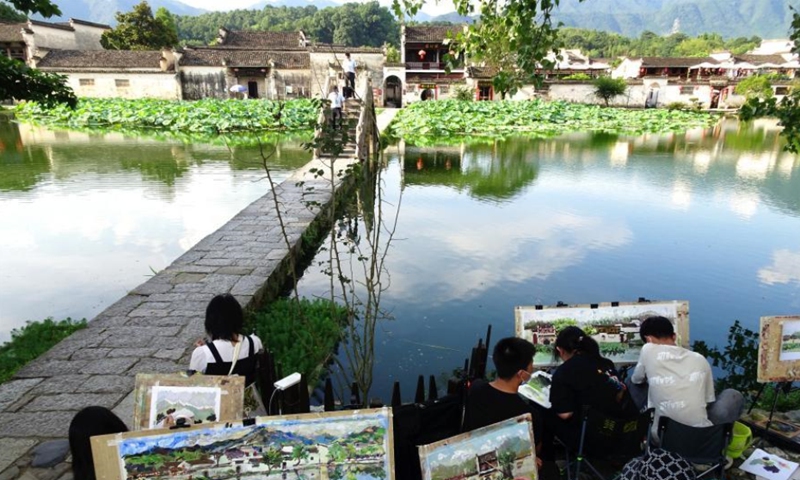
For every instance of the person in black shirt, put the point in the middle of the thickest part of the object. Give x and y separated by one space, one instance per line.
495 401
585 378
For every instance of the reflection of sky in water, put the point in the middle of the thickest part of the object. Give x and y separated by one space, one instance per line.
84 220
662 217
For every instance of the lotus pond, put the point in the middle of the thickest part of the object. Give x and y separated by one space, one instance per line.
711 216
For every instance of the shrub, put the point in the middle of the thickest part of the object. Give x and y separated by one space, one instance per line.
757 86
302 336
607 88
677 106
464 93
32 340
578 76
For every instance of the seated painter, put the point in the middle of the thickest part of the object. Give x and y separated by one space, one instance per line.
584 378
677 382
498 400
228 351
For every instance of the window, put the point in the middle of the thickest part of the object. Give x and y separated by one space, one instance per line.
122 83
687 90
444 89
781 90
86 82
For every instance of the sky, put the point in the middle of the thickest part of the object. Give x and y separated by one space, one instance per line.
431 8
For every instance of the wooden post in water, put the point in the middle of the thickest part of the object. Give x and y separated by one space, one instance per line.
328 399
397 400
419 396
433 392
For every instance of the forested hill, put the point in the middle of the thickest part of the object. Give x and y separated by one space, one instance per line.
366 24
102 11
729 18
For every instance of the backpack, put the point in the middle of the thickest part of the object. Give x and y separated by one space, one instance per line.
658 464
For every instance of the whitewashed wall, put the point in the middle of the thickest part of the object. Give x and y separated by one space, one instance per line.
141 85
87 37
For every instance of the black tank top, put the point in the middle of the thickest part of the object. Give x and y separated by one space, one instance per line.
245 367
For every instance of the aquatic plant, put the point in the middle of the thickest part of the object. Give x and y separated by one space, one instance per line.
209 116
32 340
428 122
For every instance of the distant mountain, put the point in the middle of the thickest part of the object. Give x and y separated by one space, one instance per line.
102 11
729 18
452 17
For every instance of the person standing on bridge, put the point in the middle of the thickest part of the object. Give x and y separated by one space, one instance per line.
337 102
349 67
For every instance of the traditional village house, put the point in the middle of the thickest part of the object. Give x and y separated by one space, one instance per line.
568 62
422 52
23 41
115 73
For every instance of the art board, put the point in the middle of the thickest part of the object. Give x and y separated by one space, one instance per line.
502 450
537 389
779 349
355 443
614 326
162 401
768 466
783 431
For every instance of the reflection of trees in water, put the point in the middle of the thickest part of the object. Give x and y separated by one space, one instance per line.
495 172
21 167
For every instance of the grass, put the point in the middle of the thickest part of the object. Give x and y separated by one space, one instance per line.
302 336
32 340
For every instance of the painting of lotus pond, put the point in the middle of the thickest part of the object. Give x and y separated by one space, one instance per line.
500 451
615 326
351 445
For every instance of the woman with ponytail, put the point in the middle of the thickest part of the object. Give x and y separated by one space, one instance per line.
585 378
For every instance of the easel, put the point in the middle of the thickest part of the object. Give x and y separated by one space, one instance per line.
786 388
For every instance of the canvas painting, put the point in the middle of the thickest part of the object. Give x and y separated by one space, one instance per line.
170 406
768 466
163 401
354 444
537 389
500 451
779 349
615 326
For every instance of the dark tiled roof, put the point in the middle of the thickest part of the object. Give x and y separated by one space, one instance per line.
328 48
11 32
261 40
90 24
675 62
482 72
213 57
759 59
433 80
431 33
101 59
59 26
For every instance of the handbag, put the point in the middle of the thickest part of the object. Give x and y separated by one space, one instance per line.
253 404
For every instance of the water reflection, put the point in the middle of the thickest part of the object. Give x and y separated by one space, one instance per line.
494 173
785 268
85 217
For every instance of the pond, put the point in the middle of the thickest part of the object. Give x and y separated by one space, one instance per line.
84 218
711 216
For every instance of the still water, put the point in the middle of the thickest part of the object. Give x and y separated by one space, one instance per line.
86 218
709 216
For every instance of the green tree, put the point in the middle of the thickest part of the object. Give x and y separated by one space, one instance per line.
392 54
756 86
272 458
139 30
11 14
168 20
299 453
506 460
607 88
20 82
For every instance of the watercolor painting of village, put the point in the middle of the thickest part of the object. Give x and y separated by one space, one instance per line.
503 451
615 326
351 446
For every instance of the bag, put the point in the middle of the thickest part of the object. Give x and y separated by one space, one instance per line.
253 405
658 465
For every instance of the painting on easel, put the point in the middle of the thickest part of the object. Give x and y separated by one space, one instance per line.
615 326
353 444
779 349
168 400
503 450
